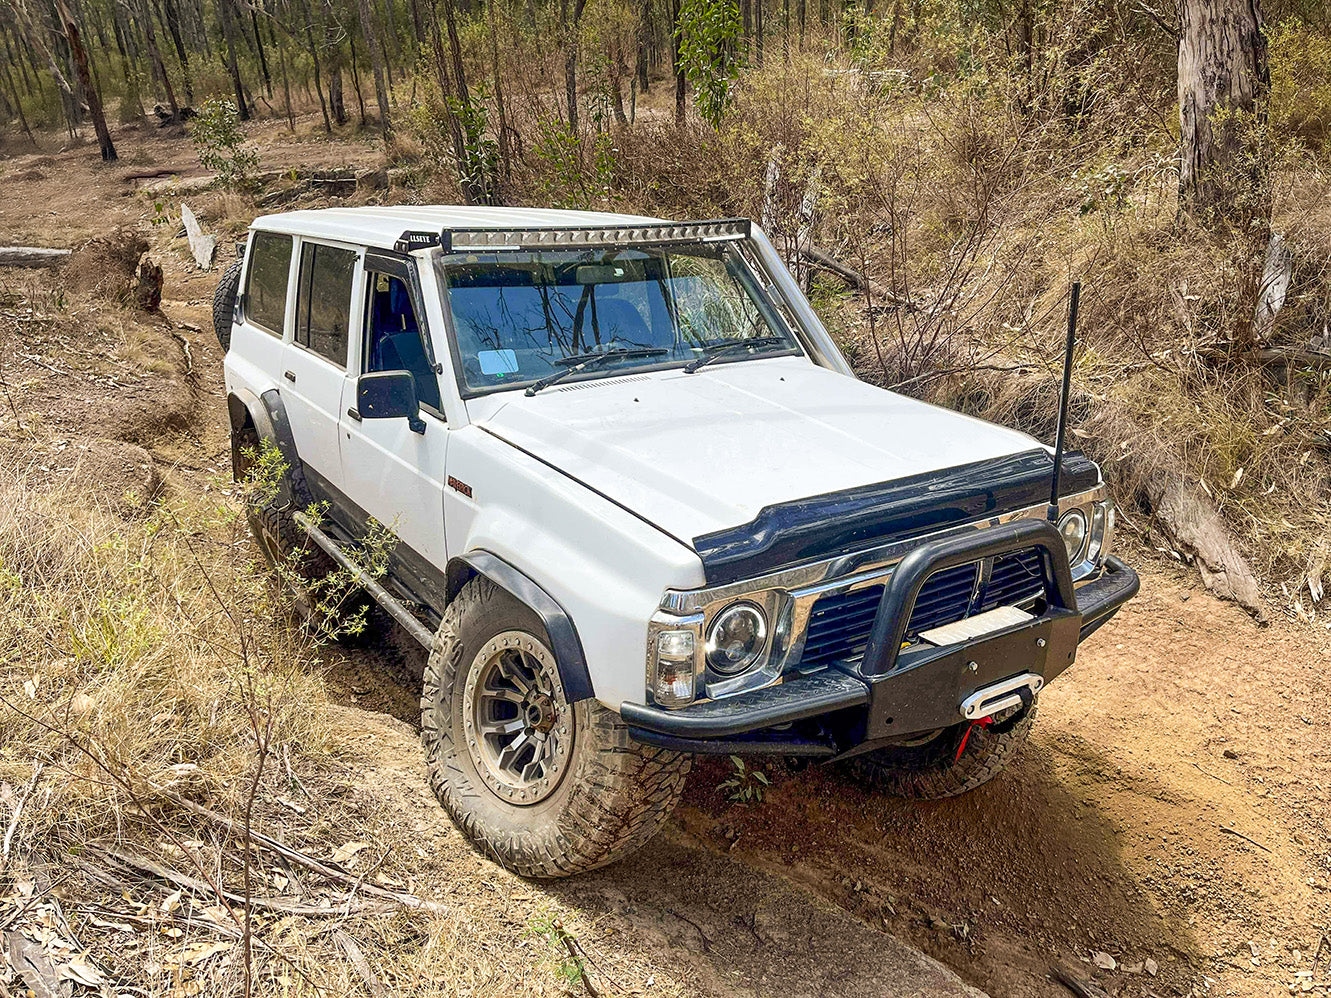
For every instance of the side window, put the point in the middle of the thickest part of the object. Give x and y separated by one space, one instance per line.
266 285
323 300
394 339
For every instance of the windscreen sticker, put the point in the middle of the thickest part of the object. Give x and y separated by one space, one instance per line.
498 362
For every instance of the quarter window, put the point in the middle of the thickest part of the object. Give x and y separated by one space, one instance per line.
266 285
323 301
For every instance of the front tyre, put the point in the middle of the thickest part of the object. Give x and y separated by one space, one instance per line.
949 763
544 787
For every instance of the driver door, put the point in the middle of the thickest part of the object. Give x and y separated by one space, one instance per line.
390 471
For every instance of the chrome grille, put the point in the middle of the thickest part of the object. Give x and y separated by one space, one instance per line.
839 624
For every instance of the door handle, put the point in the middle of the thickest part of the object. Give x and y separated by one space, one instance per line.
354 414
290 376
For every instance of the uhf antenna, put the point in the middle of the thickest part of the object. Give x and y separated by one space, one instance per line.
1063 402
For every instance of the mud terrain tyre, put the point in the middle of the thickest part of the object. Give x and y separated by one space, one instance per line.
578 793
945 765
224 304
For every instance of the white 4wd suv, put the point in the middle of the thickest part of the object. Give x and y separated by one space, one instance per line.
643 510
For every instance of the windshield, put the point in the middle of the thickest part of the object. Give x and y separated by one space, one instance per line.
518 316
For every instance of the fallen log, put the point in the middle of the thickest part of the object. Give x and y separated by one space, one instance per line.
31 256
825 261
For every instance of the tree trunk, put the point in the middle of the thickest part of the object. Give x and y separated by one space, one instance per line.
35 42
505 146
227 16
286 81
263 59
453 96
94 98
1223 83
371 31
336 101
355 78
172 19
644 33
145 13
570 32
18 105
314 58
677 62
417 25
758 31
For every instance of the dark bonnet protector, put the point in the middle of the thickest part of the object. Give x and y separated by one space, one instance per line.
839 523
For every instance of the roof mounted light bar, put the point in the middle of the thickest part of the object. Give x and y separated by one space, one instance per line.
577 237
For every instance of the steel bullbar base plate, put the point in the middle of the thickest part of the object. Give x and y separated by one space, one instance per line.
925 691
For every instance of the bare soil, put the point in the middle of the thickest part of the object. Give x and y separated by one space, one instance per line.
1170 811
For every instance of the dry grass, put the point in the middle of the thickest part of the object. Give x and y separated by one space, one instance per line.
151 665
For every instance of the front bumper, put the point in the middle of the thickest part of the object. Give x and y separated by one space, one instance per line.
898 692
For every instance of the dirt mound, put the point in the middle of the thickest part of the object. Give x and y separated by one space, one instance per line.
122 474
106 265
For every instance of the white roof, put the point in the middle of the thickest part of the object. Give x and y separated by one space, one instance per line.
382 227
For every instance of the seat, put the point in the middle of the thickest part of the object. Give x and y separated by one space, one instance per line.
395 341
618 320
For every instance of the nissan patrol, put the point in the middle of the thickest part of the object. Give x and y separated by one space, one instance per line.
642 509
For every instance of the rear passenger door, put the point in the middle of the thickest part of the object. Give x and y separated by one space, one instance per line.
390 470
257 339
315 383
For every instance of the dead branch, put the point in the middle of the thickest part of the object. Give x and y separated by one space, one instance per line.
1082 989
145 866
1238 834
309 862
362 965
858 281
18 814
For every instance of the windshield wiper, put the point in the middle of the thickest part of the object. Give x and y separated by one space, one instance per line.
716 348
582 361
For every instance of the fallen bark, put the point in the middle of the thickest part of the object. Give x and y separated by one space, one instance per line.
202 245
1196 529
31 256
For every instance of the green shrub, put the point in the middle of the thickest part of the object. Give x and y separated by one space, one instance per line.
219 142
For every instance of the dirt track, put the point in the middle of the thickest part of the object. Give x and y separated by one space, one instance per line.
1181 719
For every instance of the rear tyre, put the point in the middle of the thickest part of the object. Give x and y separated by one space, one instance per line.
224 304
544 787
954 761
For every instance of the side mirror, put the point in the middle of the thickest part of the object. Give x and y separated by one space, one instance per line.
389 395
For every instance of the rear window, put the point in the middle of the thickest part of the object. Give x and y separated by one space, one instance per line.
323 301
266 290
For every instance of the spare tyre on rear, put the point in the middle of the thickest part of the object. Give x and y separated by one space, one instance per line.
224 303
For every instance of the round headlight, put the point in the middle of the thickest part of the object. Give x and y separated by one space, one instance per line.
1073 528
736 638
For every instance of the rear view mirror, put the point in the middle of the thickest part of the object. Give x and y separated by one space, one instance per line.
389 395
